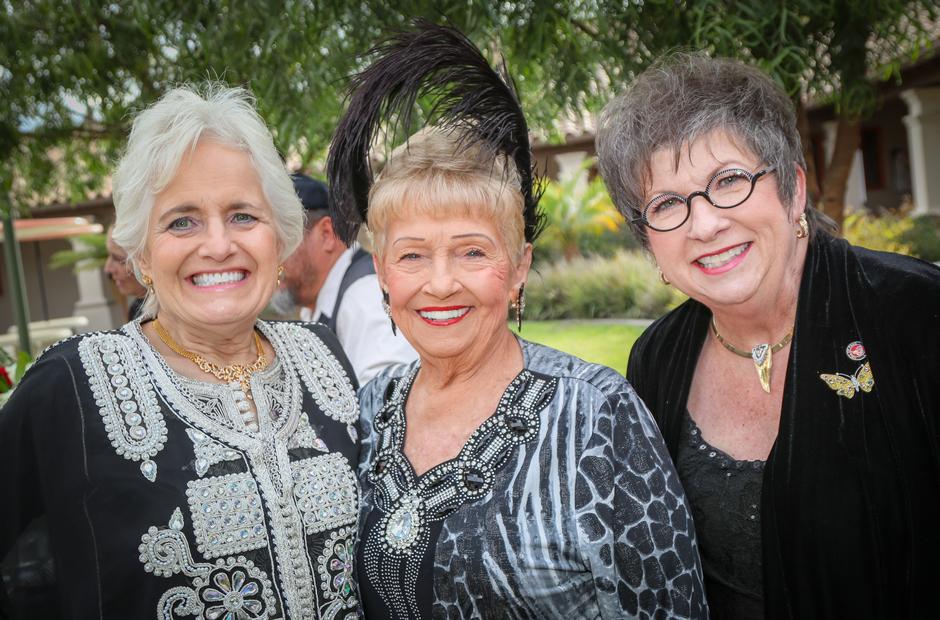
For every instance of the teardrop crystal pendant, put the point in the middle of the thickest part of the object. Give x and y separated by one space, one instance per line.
149 469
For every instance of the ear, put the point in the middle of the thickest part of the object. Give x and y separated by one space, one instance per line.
799 193
327 237
141 263
525 263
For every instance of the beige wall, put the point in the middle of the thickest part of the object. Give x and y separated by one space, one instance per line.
52 293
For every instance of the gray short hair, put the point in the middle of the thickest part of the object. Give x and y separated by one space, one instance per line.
684 97
160 137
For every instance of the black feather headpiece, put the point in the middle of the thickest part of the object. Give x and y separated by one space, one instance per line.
467 94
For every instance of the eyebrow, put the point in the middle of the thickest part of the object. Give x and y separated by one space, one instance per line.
471 235
460 236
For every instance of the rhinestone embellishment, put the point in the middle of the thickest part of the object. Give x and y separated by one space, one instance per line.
404 524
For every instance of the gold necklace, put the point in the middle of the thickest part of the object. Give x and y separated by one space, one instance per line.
762 354
228 374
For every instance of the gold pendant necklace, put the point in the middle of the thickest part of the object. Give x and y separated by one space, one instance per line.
762 355
228 374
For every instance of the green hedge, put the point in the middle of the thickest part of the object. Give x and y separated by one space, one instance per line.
625 285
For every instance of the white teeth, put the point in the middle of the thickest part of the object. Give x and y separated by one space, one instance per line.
444 315
717 260
214 279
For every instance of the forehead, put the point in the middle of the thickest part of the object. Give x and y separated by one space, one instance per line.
415 225
114 248
698 160
212 173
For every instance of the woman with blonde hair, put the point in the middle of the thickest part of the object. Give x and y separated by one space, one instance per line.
500 478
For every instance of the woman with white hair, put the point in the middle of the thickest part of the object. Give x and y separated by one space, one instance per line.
198 461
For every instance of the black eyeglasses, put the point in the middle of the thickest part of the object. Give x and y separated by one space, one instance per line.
726 190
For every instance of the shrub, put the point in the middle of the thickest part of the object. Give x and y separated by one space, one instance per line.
623 285
878 232
923 237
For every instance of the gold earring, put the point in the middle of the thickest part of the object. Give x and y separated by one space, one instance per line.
663 278
803 232
280 274
147 280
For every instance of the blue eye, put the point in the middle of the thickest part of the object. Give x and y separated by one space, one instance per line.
244 218
409 256
476 253
181 224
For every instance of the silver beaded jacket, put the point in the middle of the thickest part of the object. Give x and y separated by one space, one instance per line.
563 504
161 502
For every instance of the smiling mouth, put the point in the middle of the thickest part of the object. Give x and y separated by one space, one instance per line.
443 316
218 278
715 261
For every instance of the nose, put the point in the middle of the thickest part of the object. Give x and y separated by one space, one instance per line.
217 243
706 220
442 278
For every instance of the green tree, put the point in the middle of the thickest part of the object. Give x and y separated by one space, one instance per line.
577 208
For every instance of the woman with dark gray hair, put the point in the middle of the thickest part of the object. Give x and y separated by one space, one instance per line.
797 389
198 461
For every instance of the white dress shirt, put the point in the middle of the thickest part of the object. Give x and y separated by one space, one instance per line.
362 327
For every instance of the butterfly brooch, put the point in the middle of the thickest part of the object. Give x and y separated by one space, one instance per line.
862 380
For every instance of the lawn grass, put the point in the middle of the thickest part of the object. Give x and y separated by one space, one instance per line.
602 342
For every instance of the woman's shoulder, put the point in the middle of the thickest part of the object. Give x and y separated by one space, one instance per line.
567 368
373 393
670 328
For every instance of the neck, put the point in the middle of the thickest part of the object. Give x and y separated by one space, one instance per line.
500 356
233 346
764 319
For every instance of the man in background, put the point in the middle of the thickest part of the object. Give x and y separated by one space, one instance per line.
123 277
336 285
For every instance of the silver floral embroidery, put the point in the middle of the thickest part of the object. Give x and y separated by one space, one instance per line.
126 398
209 452
265 452
233 588
227 515
335 567
324 376
326 492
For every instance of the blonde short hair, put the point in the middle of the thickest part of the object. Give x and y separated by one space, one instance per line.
439 173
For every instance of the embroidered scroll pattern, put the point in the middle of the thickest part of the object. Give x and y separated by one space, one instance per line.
231 588
126 399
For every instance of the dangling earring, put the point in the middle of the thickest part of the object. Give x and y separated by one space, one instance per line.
388 311
148 282
803 232
663 278
519 307
280 274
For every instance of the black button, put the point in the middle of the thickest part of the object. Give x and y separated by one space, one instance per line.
474 481
517 425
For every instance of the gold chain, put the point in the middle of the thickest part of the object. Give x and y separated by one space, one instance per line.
786 340
232 372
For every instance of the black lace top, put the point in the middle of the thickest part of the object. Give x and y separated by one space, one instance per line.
725 497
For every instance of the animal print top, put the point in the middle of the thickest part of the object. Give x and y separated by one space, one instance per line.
563 504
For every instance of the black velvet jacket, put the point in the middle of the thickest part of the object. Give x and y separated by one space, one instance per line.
851 491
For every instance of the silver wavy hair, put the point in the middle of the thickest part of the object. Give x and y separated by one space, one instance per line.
682 98
164 133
